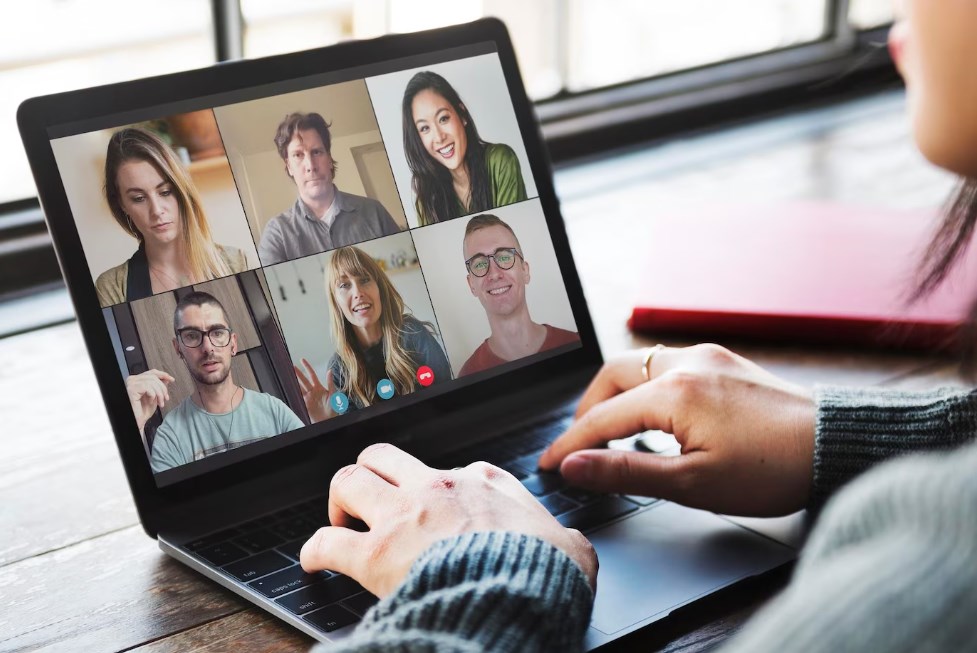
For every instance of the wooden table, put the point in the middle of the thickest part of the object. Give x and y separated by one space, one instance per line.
77 572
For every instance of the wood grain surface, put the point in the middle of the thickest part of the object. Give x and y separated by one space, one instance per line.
77 573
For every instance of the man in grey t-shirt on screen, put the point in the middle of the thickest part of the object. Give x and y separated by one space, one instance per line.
323 217
220 415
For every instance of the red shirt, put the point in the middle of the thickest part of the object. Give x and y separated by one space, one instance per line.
483 358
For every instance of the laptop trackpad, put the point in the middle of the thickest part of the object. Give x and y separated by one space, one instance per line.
668 556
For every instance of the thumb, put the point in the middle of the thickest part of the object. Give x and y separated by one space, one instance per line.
629 472
330 384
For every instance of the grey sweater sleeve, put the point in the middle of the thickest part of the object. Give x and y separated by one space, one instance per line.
482 592
891 566
860 427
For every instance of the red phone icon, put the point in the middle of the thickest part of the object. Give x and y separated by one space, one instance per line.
425 375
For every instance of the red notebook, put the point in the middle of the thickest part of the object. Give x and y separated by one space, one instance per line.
802 272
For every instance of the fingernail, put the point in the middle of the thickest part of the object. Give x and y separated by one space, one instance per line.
542 457
577 468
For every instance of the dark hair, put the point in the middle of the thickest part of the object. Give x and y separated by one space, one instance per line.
488 220
943 252
298 121
432 183
196 298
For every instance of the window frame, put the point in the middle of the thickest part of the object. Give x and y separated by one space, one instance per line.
579 125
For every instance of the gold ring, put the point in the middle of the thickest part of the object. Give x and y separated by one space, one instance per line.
646 363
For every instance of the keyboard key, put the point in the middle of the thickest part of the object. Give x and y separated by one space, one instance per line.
258 565
292 549
258 541
221 554
557 505
599 512
361 603
580 495
287 580
543 483
514 469
259 523
294 528
641 501
529 463
319 595
332 618
212 539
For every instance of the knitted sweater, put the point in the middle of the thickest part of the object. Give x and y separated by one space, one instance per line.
890 566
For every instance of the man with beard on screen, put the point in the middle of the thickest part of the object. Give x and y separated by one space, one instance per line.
219 415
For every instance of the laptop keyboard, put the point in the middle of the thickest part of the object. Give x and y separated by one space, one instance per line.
264 553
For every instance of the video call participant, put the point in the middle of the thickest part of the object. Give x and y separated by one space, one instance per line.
455 172
152 197
376 338
220 415
498 274
323 217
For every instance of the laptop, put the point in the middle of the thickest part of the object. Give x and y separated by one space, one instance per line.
193 159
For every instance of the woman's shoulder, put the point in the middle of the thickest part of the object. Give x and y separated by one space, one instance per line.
499 153
111 285
413 325
234 258
416 334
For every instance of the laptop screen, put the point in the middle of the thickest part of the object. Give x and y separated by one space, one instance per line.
300 256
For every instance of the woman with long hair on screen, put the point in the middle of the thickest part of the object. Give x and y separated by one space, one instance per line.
465 559
455 172
151 196
376 338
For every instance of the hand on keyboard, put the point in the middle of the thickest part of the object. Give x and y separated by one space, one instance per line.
747 437
409 506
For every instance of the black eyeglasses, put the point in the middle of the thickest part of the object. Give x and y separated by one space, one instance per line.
504 257
193 338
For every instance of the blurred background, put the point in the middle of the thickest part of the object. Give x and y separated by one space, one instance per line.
604 75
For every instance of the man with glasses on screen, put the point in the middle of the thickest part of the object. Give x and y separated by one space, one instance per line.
219 415
498 274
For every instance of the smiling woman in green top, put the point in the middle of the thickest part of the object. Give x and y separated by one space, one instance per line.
455 172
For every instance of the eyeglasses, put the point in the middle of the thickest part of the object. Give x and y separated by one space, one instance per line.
504 257
193 338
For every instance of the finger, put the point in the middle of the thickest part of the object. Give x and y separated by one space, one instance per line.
313 377
356 492
149 400
335 549
632 472
303 382
394 465
624 373
161 390
330 383
649 406
165 377
161 375
159 396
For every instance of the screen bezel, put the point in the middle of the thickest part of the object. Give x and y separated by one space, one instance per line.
37 117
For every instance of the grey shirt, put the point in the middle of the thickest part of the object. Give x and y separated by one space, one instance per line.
297 232
190 433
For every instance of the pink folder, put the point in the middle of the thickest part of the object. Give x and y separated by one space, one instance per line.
801 272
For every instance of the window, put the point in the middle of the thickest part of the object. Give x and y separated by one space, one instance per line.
566 48
866 14
47 46
617 41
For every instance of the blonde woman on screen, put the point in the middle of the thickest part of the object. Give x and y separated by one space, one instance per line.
376 338
153 199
